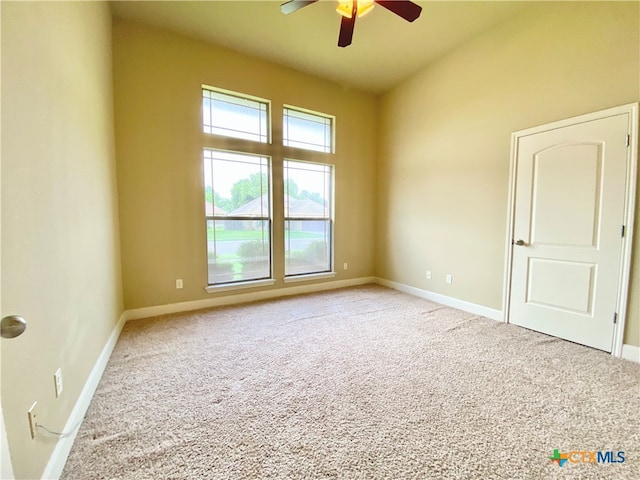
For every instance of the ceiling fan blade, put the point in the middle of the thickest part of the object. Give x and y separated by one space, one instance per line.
407 10
346 31
294 5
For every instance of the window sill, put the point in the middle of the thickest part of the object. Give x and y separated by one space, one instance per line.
311 276
239 285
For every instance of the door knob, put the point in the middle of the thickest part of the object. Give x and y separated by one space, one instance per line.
12 326
520 243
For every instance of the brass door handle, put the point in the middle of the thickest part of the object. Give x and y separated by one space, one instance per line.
519 243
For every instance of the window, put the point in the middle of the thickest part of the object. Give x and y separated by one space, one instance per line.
238 191
308 192
235 116
238 216
308 130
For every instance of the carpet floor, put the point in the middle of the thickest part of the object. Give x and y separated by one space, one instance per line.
358 383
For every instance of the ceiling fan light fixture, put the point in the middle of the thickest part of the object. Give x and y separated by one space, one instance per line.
364 7
352 9
345 7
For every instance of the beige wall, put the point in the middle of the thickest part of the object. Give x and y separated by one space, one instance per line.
445 139
157 81
437 194
60 251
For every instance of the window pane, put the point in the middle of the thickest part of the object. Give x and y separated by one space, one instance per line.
307 130
236 184
307 188
238 216
234 116
307 203
238 250
307 246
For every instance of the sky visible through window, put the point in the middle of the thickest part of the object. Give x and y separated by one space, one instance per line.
238 198
307 130
233 116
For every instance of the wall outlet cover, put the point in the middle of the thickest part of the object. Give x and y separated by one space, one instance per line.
31 415
57 382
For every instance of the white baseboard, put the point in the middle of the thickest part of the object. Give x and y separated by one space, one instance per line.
146 312
631 352
60 453
62 449
491 313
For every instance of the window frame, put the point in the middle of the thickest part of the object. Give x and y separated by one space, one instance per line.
277 156
332 125
243 96
233 284
330 219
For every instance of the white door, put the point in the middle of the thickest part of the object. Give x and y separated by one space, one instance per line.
569 210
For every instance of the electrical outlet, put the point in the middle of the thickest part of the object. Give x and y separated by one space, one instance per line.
31 415
57 382
428 274
179 283
345 266
449 278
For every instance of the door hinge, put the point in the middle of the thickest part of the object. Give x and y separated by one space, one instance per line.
628 140
623 229
615 318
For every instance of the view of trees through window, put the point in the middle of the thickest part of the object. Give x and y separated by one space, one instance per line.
238 195
307 212
238 216
248 189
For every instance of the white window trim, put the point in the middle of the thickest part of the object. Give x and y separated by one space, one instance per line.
252 147
319 114
332 221
260 281
239 285
309 277
248 97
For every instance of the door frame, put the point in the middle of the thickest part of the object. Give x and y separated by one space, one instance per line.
629 210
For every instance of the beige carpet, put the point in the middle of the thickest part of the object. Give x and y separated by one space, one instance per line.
360 383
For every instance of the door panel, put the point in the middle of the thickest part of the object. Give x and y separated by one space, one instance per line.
577 168
541 285
569 209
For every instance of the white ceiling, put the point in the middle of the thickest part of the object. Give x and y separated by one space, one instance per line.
385 50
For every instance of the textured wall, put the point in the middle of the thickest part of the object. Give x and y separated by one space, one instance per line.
445 140
157 80
60 250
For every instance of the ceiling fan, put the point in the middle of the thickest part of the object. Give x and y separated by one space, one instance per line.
351 9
